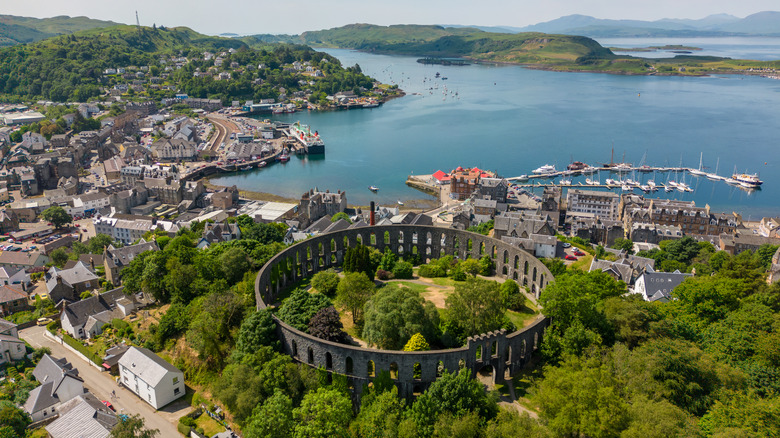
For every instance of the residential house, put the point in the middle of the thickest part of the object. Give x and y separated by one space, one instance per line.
735 244
11 347
219 232
86 318
658 286
774 269
22 260
769 227
116 259
9 221
111 359
150 377
12 299
68 284
315 204
15 276
174 150
83 416
59 381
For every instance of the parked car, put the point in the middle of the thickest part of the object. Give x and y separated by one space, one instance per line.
108 405
566 244
43 321
578 253
570 257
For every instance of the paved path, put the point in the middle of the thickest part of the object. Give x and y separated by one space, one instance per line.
100 384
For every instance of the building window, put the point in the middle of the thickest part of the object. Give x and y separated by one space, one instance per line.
176 390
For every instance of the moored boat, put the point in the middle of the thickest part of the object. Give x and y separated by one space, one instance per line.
373 188
747 180
544 170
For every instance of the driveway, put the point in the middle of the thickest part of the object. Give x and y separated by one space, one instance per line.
100 384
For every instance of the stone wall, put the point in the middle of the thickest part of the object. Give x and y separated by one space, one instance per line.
505 353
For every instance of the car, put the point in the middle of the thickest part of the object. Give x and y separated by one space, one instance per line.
108 405
76 225
578 253
84 230
43 321
566 244
570 257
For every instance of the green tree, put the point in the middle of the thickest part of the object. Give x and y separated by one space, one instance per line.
380 415
511 296
624 244
15 419
298 309
743 414
454 394
417 343
234 263
211 332
395 314
98 243
403 270
57 216
353 291
633 319
340 215
325 282
389 259
470 266
257 330
59 257
325 413
508 424
132 426
486 265
476 306
272 419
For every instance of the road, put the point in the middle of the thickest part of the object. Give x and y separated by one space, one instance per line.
100 384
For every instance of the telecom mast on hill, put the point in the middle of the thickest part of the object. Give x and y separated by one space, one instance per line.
137 22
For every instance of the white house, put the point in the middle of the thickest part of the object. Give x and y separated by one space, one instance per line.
150 377
11 347
655 286
86 318
59 381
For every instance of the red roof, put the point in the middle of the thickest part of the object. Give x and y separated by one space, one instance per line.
440 175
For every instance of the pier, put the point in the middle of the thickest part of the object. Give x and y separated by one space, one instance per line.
592 170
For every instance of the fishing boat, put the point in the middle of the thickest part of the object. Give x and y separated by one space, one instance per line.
544 170
262 164
698 172
400 203
373 188
284 158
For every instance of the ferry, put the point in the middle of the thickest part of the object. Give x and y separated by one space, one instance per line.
373 188
747 180
303 134
545 170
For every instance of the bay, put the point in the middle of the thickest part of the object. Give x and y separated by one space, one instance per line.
512 120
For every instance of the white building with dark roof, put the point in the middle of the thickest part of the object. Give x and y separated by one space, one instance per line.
150 377
658 286
59 381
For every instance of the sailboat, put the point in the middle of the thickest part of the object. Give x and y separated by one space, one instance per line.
731 180
698 172
714 176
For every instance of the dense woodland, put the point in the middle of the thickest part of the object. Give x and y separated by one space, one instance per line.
70 67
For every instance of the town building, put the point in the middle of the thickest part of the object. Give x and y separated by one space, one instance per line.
68 284
83 416
769 227
150 377
12 299
59 381
658 286
12 348
463 182
116 259
86 318
739 242
316 204
602 204
22 260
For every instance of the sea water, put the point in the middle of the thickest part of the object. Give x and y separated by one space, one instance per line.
511 120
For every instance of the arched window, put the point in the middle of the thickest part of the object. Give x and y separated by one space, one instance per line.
349 366
311 356
328 361
394 371
370 369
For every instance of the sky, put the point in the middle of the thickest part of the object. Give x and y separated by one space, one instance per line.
247 17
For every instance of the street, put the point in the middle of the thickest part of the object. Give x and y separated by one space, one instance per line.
100 384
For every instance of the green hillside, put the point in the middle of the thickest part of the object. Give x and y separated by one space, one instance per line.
71 67
420 40
19 30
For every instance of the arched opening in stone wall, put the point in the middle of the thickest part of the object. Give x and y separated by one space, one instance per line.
482 248
525 282
349 366
387 238
321 249
456 245
534 276
494 349
295 349
525 268
373 239
400 237
514 275
440 369
394 371
493 252
428 238
517 262
461 364
308 253
487 371
417 390
414 250
370 369
541 281
333 259
417 371
346 243
503 270
400 250
310 357
536 340
533 289
478 354
328 361
428 250
360 239
508 355
506 257
524 351
470 246
441 253
332 245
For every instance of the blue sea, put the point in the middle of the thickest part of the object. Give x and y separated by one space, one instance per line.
512 120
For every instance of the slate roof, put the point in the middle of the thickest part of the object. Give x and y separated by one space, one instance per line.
320 225
339 225
50 373
83 417
10 293
659 285
6 326
623 270
148 366
124 255
79 312
80 273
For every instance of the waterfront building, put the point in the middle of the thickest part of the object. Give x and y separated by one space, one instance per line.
604 205
463 182
316 204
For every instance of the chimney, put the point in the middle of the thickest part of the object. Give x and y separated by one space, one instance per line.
372 217
59 279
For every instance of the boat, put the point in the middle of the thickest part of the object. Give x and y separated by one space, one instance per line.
651 183
370 105
544 170
245 168
400 203
715 176
626 188
591 182
747 180
311 141
611 182
277 110
262 164
284 158
631 182
668 188
565 182
646 188
698 172
590 170
732 181
522 177
373 188
644 168
577 166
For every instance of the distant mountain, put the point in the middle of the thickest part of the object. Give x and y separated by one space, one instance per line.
759 24
19 30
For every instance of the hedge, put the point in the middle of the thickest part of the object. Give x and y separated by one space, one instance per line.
82 349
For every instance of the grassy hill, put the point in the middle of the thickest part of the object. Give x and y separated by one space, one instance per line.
19 30
418 40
